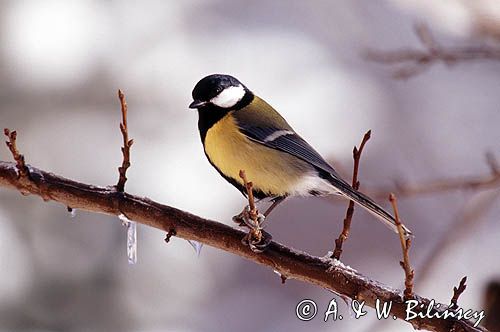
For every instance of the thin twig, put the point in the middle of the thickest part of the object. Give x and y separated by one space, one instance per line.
249 189
408 190
120 186
19 158
457 291
405 246
255 233
471 214
413 61
493 163
344 235
484 182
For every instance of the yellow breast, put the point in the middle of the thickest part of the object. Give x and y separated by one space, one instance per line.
273 172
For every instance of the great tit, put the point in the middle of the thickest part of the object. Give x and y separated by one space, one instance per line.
240 131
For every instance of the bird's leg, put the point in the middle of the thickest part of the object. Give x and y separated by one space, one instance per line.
264 238
257 239
261 218
276 201
243 218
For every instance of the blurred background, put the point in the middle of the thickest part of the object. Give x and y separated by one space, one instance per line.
61 63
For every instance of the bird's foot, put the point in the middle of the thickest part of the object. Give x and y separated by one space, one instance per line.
244 218
256 239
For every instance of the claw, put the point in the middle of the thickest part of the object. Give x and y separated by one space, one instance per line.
257 245
260 246
242 216
244 219
256 249
238 219
261 219
256 238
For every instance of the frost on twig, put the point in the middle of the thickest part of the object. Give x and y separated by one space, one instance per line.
334 262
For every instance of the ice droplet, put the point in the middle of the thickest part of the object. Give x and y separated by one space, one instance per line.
196 246
348 302
72 212
131 238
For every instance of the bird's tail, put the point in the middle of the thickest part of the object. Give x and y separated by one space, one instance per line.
367 203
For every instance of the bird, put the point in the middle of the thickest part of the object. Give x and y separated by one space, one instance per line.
241 131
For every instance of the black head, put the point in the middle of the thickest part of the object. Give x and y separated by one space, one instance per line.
220 91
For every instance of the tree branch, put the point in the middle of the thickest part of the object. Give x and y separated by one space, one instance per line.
412 61
483 182
322 272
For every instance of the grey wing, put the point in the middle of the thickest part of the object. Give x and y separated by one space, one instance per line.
288 141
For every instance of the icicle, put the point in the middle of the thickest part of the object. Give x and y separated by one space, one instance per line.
196 246
132 242
131 238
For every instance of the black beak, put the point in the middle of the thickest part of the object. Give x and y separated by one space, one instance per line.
197 104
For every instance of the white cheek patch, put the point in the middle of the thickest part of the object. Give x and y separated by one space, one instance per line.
229 96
